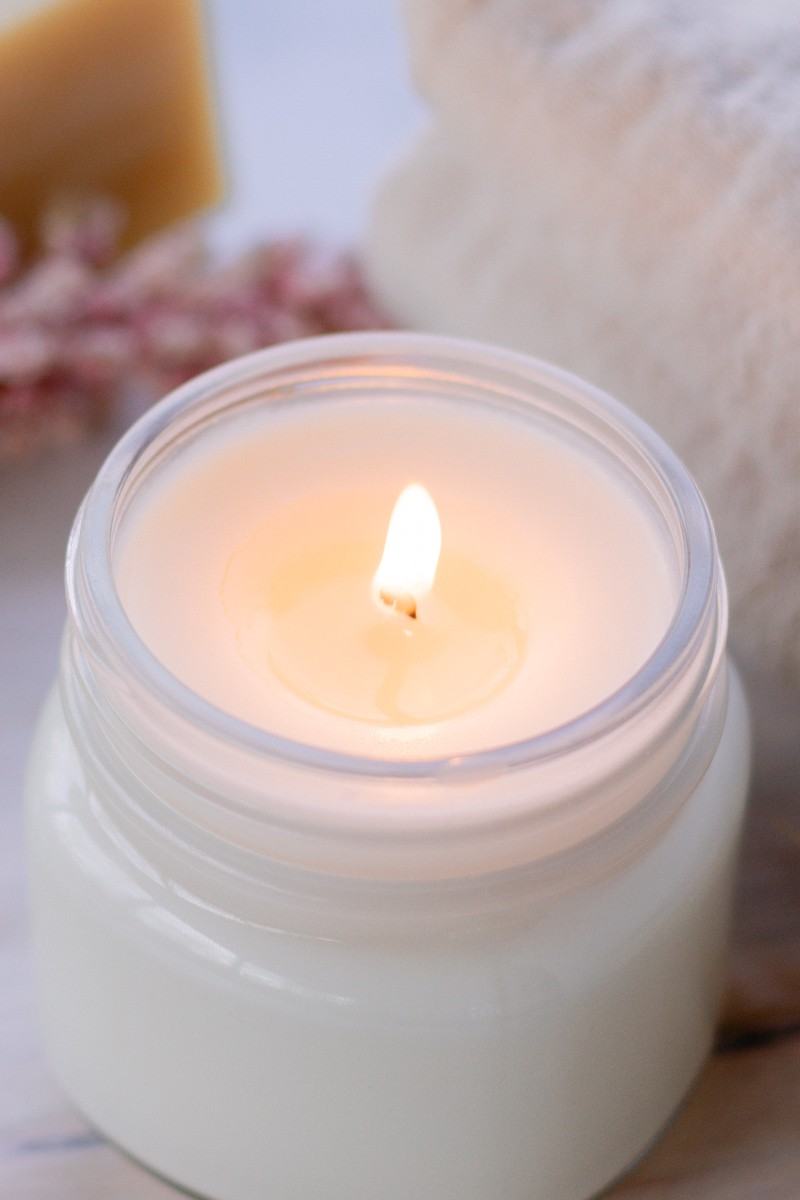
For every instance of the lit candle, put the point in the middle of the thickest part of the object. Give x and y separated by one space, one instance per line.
411 555
261 546
387 855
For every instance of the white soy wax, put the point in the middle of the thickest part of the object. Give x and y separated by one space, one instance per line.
288 960
246 562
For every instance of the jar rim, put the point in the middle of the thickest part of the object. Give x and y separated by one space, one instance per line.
699 618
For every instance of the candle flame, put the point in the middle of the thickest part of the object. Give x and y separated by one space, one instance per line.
411 554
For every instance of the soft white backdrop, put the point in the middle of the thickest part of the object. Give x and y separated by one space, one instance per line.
314 100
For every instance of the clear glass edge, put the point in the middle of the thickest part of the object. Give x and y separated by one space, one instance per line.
701 601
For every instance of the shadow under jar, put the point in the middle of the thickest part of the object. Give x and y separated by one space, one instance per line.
295 939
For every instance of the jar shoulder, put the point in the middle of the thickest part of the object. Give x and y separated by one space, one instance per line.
85 832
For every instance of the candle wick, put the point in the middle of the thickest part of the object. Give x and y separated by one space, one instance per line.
405 603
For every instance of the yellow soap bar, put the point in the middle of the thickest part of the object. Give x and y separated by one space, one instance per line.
106 97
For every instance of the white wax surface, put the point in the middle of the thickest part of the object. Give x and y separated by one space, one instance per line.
562 532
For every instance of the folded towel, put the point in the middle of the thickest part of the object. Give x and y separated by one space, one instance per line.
615 185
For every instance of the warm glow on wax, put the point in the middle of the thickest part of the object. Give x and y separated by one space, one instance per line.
411 554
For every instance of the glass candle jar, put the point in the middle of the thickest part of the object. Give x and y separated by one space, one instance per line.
270 965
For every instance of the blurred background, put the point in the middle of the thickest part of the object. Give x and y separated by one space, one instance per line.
314 101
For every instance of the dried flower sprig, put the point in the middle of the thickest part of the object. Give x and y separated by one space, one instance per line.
82 330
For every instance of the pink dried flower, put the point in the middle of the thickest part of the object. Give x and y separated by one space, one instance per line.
50 292
86 228
97 356
26 354
78 336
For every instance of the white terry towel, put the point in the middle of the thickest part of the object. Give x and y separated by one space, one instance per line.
614 185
